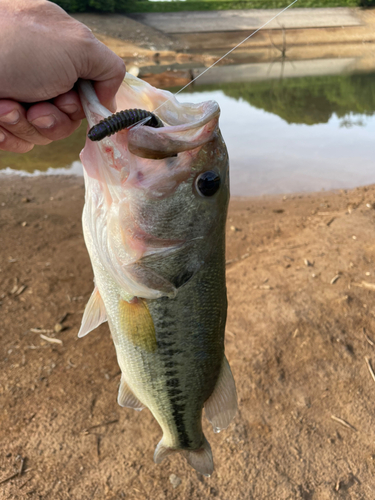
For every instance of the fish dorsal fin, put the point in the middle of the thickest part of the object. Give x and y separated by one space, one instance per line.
94 315
126 398
221 406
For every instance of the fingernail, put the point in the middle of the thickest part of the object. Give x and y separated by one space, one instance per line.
69 108
11 118
44 121
2 136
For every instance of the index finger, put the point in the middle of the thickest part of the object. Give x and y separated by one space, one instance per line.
107 71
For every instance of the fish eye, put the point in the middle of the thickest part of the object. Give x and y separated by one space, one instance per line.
208 183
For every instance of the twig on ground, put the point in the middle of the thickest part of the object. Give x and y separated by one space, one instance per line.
334 279
368 363
21 467
25 482
344 423
367 337
86 431
98 447
51 339
237 259
40 330
15 474
365 284
5 480
20 290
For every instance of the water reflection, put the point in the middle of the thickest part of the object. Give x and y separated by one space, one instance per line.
58 154
297 134
269 155
308 100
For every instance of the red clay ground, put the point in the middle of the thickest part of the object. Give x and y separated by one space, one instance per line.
297 341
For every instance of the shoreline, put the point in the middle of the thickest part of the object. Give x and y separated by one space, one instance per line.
73 173
145 40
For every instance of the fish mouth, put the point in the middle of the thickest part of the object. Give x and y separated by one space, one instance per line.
186 126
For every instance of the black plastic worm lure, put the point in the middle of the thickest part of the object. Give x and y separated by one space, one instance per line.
121 120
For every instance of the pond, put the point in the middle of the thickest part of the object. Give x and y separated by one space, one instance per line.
283 135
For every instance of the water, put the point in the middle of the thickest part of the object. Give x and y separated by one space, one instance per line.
283 136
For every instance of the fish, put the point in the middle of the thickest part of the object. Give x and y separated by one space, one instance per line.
154 220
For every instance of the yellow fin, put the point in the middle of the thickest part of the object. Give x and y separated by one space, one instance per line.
138 324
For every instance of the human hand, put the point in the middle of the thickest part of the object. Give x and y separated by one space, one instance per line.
43 53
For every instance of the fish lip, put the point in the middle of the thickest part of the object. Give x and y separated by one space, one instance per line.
210 111
165 105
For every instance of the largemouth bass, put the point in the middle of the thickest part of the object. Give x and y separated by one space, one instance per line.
154 225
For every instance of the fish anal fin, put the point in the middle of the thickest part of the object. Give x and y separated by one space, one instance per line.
126 397
94 315
221 407
200 459
138 325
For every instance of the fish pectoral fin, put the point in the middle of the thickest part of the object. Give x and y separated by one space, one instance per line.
221 407
94 315
126 398
200 459
179 263
150 279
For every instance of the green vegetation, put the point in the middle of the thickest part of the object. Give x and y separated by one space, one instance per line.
189 5
307 100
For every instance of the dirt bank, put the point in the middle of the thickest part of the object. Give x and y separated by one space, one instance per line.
301 284
166 58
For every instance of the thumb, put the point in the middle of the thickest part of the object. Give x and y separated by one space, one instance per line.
106 70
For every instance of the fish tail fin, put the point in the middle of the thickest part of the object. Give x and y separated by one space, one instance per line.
200 459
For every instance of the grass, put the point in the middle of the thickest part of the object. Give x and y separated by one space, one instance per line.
132 6
194 5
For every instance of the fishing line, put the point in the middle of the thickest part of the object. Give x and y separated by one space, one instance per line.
225 55
122 119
